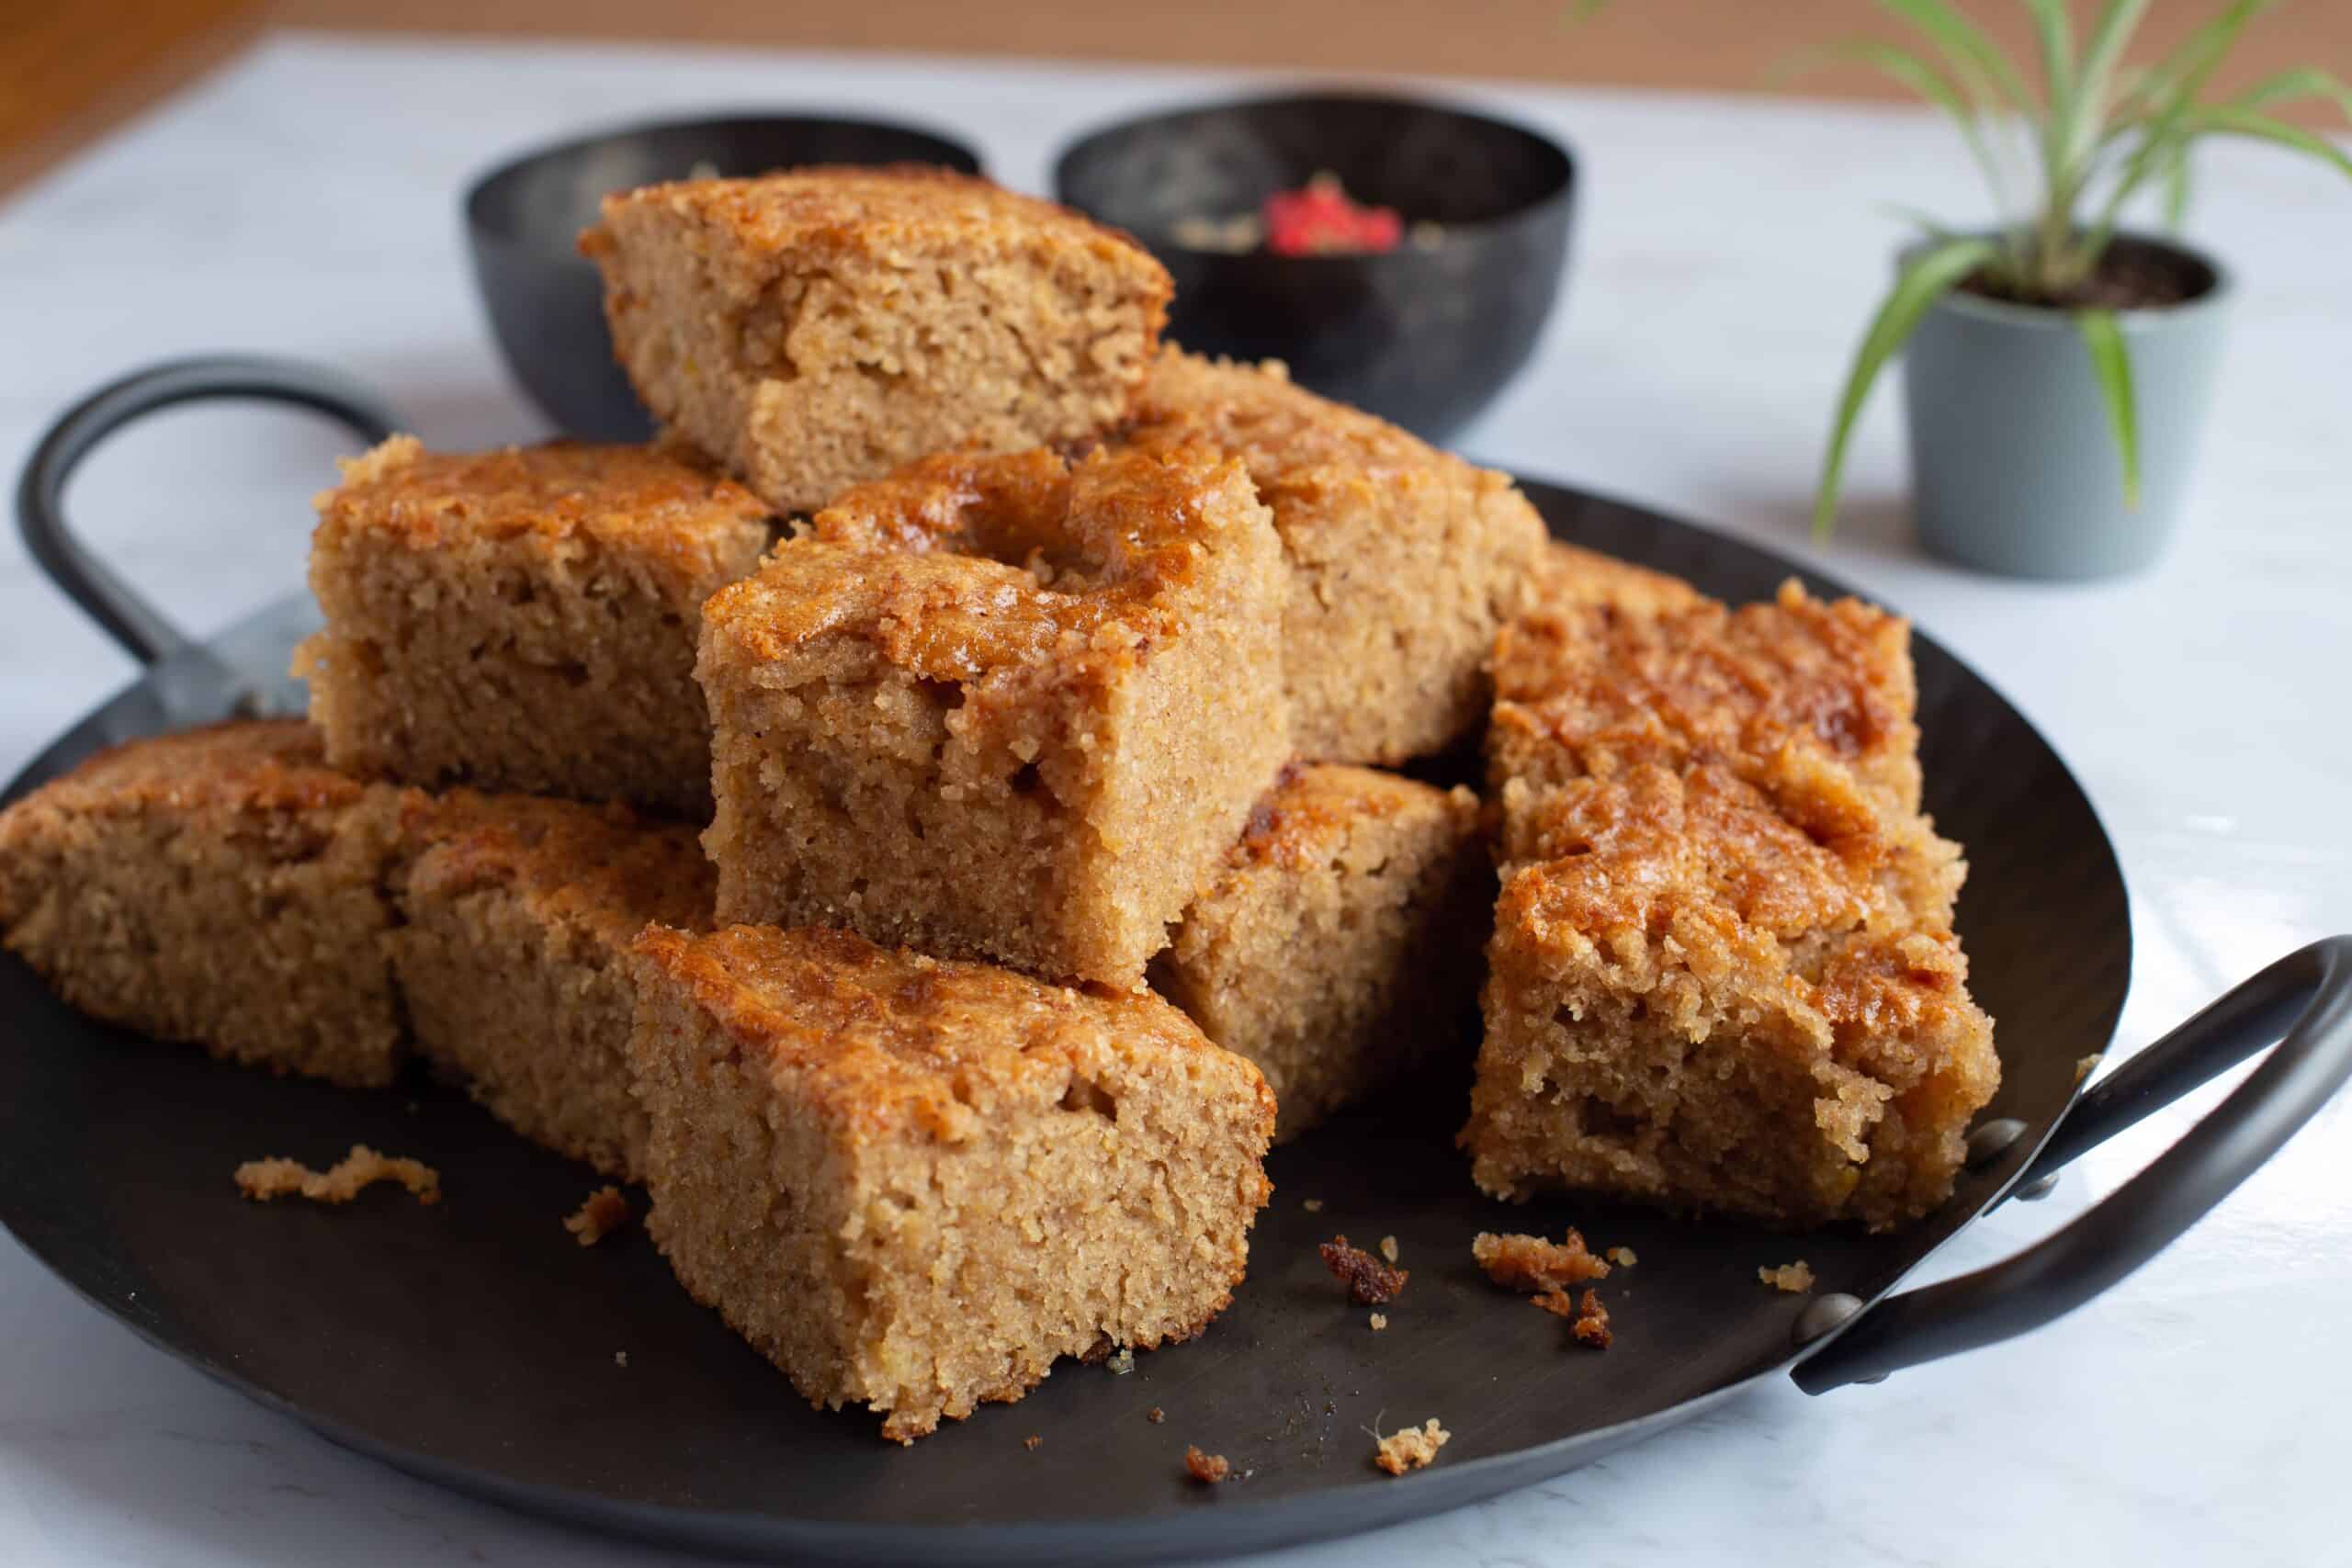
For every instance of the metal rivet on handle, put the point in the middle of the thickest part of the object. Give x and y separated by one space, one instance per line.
2035 1192
1991 1141
1825 1312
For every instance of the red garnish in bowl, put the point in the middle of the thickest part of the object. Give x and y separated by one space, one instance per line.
1320 219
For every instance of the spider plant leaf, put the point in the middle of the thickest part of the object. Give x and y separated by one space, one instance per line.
2096 91
2176 187
2224 120
1973 58
1922 77
2054 31
1925 278
2175 81
2288 86
2112 368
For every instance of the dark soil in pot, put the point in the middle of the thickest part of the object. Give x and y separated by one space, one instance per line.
2133 275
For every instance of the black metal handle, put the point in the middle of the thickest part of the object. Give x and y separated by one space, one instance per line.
40 493
2303 1003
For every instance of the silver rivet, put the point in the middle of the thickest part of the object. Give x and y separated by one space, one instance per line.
1991 1141
2035 1192
1825 1312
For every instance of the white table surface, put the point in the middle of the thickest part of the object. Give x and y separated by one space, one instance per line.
303 200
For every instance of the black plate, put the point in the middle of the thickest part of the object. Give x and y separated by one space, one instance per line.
473 1343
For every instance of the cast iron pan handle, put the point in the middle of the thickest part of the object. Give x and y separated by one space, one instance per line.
2303 1002
40 494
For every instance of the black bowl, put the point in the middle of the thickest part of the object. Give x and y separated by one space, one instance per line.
546 302
1425 334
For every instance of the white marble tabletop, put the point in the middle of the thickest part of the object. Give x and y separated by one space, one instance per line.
302 200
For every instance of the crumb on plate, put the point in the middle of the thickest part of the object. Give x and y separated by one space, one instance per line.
1388 1247
1370 1281
263 1180
1379 1321
601 1213
1790 1277
1520 1262
1411 1449
1206 1469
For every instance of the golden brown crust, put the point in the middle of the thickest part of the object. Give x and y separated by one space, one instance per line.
894 1039
235 766
876 213
605 870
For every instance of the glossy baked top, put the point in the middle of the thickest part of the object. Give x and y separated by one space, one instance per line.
646 495
1616 688
960 565
874 211
888 1038
1312 809
1256 412
264 764
604 866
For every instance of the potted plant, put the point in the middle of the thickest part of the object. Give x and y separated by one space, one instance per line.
2057 368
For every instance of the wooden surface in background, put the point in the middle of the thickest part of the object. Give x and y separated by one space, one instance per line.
67 69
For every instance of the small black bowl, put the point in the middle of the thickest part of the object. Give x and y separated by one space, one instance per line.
1425 334
546 301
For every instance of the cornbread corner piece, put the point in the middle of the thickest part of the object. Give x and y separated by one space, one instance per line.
822 326
913 1184
221 887
1570 577
524 619
513 956
1403 561
1337 946
999 708
1692 1000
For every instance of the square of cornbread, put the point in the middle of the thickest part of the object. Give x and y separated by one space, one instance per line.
1694 1002
1403 561
511 955
1337 946
822 326
222 886
1812 703
524 619
913 1184
999 708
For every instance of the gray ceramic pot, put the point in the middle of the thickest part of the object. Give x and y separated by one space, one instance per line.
2013 460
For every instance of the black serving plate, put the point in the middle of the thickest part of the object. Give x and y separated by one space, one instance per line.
474 1344
546 301
1425 334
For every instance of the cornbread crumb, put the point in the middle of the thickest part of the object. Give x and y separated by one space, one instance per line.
263 1180
1793 1277
1313 1205
1522 1262
601 1212
1206 1469
1033 1442
1388 1247
1370 1281
621 1358
1588 1319
1411 1449
1155 1415
1379 1321
1122 1363
2089 1064
1621 1255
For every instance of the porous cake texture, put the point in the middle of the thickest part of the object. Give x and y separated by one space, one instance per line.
822 326
914 1184
512 956
1337 946
222 886
1402 559
999 708
525 619
1723 974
